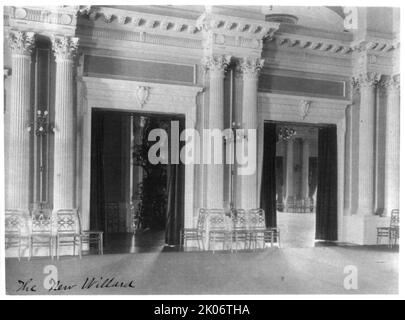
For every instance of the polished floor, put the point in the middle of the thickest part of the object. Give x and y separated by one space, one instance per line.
297 231
318 270
142 241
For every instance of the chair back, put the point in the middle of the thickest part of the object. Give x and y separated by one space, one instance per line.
394 218
240 220
67 222
41 224
216 220
16 223
257 219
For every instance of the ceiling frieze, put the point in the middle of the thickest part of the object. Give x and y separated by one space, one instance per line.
311 44
140 22
236 36
44 20
376 45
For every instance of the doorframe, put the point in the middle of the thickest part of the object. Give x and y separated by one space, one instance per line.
306 110
121 95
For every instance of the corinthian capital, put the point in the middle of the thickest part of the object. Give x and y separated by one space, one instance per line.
21 42
216 63
64 48
367 79
250 66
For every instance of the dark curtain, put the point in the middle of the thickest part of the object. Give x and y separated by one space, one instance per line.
326 200
97 194
268 192
175 199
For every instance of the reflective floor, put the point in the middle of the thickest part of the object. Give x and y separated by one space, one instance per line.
141 242
297 229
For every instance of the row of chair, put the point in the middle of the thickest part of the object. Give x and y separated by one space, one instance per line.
43 228
299 205
391 232
230 228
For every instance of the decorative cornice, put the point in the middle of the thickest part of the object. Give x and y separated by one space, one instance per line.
250 66
233 34
237 26
376 45
314 44
46 19
64 48
21 42
139 21
366 79
216 62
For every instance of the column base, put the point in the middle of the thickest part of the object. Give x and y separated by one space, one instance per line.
362 230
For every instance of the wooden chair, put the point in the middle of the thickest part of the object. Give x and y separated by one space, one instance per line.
217 229
259 234
41 231
195 234
91 237
68 230
16 229
391 232
240 232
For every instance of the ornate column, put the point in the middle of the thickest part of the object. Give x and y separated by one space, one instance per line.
305 168
216 65
250 68
348 160
290 169
367 85
65 145
392 145
18 155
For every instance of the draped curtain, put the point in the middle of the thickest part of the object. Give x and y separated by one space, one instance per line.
97 194
175 198
268 192
326 202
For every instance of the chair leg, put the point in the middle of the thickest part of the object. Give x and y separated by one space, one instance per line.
57 247
30 249
51 247
19 249
80 247
101 244
272 238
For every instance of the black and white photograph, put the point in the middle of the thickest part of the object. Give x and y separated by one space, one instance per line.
156 150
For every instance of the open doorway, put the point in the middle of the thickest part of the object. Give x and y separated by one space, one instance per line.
299 182
137 203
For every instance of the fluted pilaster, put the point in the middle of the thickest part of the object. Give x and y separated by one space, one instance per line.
250 68
366 83
216 66
305 169
18 155
392 145
290 169
64 49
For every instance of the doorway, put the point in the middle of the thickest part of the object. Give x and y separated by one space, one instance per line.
136 202
299 183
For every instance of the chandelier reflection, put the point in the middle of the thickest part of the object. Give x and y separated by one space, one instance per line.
285 134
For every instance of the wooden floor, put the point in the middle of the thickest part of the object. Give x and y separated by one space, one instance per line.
318 270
